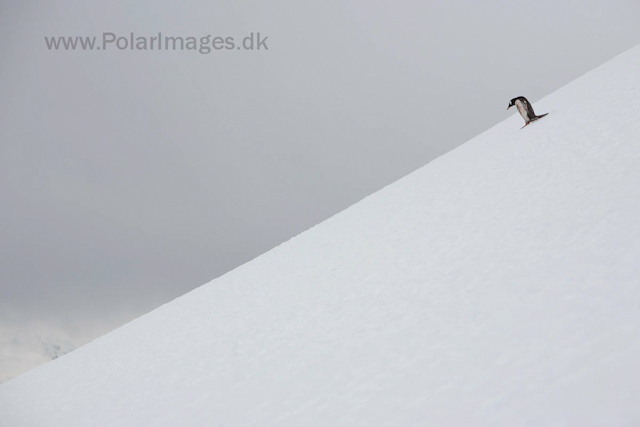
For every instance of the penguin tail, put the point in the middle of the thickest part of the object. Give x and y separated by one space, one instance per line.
540 116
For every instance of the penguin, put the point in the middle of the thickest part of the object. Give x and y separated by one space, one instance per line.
525 109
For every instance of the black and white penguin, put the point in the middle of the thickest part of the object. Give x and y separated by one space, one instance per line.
525 109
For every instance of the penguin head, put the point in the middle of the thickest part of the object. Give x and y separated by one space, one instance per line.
513 101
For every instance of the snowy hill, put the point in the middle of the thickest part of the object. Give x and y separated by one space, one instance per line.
498 285
23 348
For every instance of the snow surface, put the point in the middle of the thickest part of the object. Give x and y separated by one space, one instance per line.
498 285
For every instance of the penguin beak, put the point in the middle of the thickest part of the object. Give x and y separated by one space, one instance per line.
509 106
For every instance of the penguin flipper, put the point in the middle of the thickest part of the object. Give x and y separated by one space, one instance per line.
528 107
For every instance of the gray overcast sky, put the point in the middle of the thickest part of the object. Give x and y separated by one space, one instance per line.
128 178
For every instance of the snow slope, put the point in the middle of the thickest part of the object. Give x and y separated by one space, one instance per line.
498 285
